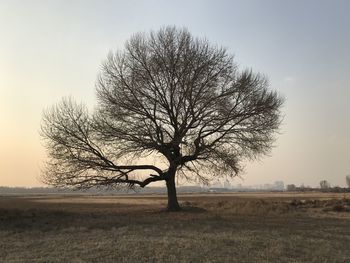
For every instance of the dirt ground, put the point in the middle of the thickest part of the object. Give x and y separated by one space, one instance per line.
242 227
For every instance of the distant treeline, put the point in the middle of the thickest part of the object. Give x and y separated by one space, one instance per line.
118 191
158 190
95 190
112 191
335 189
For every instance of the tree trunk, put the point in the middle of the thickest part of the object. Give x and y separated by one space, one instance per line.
173 205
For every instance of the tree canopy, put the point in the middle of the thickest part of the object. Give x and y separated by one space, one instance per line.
166 94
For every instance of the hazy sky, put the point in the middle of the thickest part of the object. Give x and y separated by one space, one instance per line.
51 49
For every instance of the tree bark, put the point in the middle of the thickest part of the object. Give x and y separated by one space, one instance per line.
173 204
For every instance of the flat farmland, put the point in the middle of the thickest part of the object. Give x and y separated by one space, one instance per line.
238 227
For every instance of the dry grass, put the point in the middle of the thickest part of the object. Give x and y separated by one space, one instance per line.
212 228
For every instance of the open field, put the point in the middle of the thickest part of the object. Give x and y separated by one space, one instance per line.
244 227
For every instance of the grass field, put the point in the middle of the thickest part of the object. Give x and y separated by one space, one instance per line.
245 227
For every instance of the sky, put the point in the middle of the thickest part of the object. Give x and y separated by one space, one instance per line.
51 49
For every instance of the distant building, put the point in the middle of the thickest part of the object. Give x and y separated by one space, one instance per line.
291 187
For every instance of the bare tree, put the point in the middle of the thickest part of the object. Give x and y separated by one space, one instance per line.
347 178
170 95
324 184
